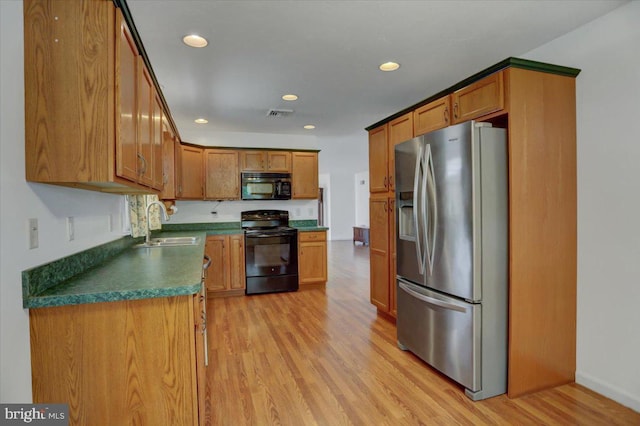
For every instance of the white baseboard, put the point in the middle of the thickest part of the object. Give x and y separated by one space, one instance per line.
608 390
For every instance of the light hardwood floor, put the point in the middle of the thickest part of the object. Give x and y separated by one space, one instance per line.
323 357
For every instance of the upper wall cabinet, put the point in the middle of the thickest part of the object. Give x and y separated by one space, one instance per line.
92 116
477 99
266 161
432 116
304 175
222 178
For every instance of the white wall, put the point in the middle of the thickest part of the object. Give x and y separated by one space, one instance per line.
342 158
608 113
229 211
362 198
94 214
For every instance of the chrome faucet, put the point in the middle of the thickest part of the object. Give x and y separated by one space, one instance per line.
164 212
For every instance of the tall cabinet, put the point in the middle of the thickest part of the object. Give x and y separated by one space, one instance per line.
535 102
382 244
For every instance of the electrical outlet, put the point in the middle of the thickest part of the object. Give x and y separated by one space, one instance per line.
33 233
71 232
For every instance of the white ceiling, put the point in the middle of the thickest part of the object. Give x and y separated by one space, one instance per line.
328 53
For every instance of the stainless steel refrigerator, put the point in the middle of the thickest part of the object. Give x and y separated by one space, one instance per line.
451 235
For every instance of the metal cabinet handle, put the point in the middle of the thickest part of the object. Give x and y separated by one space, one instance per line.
385 181
455 110
144 164
390 181
446 114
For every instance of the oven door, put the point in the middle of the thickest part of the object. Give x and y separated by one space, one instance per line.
271 254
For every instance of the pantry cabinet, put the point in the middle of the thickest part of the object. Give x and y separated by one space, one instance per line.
378 159
226 275
304 175
123 362
382 212
89 106
222 177
312 259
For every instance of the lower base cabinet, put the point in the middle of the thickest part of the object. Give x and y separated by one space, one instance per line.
226 275
125 362
312 259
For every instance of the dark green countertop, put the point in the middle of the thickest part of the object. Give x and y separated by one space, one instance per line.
134 273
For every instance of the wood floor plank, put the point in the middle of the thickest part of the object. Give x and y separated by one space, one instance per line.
324 357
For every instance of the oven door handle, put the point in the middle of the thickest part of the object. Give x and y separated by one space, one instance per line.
270 235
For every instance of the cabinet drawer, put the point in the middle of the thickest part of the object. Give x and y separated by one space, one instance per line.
312 236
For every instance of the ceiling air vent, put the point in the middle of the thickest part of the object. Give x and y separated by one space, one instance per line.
279 113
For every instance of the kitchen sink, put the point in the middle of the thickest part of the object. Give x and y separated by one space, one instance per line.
170 242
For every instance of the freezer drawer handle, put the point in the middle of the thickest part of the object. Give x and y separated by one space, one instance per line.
432 301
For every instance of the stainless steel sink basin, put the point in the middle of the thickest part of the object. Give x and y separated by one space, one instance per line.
171 242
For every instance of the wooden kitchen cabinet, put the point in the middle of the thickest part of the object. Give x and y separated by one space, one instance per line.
477 99
169 142
400 130
222 175
190 181
378 160
157 144
312 259
304 175
124 362
266 161
82 108
226 275
432 116
379 254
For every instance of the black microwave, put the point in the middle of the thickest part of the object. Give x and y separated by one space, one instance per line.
266 186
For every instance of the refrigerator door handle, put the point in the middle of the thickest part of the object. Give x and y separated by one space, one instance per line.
426 213
430 186
416 207
430 300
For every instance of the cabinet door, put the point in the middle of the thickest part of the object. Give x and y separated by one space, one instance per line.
392 257
253 161
236 262
168 162
157 168
217 275
222 180
191 170
199 319
279 161
145 133
379 252
304 175
480 98
400 130
312 262
378 160
432 116
126 112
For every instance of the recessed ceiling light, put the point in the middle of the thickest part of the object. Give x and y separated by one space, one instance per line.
194 40
389 66
290 97
201 120
309 127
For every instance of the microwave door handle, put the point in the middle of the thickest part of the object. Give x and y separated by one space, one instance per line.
416 206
